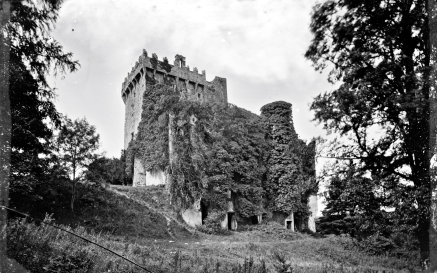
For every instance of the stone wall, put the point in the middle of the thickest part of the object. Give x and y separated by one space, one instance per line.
312 202
156 178
288 219
133 108
193 215
139 178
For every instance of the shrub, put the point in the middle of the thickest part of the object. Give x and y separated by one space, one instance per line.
281 265
37 249
212 224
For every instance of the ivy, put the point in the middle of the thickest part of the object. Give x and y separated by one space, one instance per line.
218 148
290 162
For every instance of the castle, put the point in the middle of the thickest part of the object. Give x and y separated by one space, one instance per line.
191 85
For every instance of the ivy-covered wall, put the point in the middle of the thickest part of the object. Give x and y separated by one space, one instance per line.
189 83
208 149
290 177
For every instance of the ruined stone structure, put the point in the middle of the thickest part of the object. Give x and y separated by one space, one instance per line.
190 84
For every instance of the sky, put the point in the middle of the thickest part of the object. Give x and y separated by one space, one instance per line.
257 45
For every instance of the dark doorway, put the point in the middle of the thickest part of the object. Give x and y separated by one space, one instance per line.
288 223
298 224
204 211
254 220
230 218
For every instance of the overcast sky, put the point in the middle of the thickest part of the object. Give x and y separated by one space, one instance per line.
257 45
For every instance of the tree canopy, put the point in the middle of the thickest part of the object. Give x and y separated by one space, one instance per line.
33 55
30 41
76 146
379 52
108 170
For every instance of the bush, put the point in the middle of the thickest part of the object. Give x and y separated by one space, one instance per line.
212 224
377 244
398 245
36 248
281 264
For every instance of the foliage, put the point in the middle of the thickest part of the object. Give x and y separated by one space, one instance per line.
40 247
209 149
215 148
349 197
127 227
33 53
76 146
29 32
355 206
290 162
77 143
282 266
34 248
380 54
211 225
108 170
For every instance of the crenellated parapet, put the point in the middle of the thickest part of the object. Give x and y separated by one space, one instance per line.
192 84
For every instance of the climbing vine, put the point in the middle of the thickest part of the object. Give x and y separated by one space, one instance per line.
290 162
211 149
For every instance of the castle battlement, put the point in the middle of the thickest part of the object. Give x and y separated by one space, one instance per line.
175 73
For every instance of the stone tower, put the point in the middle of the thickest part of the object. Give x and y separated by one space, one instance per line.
189 83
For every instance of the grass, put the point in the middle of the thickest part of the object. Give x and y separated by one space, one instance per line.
139 224
101 210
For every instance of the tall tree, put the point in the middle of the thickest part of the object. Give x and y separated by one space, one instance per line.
379 51
77 143
31 111
25 36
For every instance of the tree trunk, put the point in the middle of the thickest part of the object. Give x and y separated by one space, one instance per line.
73 189
432 44
423 232
5 131
73 195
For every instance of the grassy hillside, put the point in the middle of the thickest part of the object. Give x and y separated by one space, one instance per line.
139 224
101 210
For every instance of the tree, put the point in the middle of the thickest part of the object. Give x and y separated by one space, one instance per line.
25 39
350 196
77 143
32 54
379 52
31 110
108 170
5 131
